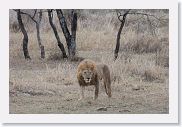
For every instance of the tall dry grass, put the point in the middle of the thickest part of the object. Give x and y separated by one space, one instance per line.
143 56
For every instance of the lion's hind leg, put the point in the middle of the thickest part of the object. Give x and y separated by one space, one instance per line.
109 90
107 86
107 80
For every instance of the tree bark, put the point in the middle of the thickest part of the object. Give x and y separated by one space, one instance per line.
42 51
61 46
25 38
119 35
73 33
64 29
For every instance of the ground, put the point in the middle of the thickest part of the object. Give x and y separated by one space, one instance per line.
44 86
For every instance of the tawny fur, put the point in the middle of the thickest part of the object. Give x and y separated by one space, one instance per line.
86 65
104 75
99 72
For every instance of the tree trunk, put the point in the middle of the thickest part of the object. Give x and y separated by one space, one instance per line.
42 51
61 46
64 29
119 35
73 33
25 38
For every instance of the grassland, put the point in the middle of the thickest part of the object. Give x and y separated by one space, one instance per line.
139 75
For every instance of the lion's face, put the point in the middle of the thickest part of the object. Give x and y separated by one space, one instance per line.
87 75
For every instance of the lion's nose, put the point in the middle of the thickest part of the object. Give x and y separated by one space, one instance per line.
88 78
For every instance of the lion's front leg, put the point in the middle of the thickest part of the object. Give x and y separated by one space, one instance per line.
96 90
82 89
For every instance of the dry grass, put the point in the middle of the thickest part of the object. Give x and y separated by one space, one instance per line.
139 75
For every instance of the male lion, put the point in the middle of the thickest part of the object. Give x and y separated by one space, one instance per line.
88 73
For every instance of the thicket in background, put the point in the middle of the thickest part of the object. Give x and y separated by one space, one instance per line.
145 24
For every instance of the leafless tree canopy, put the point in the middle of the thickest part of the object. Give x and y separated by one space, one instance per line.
68 25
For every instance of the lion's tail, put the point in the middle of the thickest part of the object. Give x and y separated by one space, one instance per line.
107 81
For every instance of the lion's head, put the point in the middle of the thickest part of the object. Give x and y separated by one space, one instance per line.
87 75
86 71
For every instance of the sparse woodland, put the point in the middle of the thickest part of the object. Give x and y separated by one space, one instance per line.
46 46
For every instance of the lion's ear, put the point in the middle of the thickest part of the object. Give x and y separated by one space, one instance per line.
80 73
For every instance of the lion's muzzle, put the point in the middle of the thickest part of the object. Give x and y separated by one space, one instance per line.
87 80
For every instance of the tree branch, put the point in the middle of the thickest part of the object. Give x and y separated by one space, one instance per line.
30 16
144 14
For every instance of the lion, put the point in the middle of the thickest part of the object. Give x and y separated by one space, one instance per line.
89 73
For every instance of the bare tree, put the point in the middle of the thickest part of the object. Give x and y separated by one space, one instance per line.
119 31
61 46
122 18
70 39
73 32
25 38
37 22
